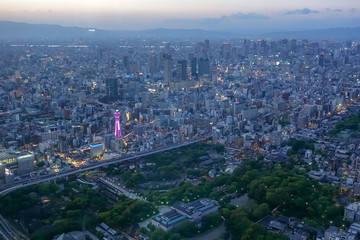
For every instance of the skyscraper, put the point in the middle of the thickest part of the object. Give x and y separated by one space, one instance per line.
321 59
117 124
111 85
153 64
207 44
167 48
226 50
126 63
204 66
194 70
181 70
168 65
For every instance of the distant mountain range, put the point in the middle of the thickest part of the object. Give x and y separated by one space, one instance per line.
15 30
331 33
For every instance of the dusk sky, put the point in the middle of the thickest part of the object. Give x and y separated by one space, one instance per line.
226 15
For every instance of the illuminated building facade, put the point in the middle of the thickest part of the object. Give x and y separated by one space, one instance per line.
19 162
117 124
96 150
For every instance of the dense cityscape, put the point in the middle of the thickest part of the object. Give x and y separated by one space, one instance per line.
150 139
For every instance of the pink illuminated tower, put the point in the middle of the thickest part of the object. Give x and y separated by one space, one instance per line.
117 124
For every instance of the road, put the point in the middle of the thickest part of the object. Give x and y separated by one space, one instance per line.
7 188
6 231
4 234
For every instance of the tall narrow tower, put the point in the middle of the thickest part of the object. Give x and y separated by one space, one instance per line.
117 124
168 65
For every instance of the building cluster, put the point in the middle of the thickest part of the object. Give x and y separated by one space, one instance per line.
334 233
293 228
59 100
70 105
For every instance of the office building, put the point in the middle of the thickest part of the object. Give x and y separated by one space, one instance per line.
96 150
194 69
111 86
181 70
204 66
25 163
168 65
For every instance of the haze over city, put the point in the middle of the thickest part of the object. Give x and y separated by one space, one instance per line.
228 15
179 120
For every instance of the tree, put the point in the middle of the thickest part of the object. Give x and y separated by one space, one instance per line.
175 236
127 211
65 225
333 211
151 226
41 235
186 229
261 211
159 234
219 148
226 212
238 223
74 214
253 232
100 235
211 220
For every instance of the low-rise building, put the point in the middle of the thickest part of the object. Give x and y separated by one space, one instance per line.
197 209
333 233
181 211
168 220
352 212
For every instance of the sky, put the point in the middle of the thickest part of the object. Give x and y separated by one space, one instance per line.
224 15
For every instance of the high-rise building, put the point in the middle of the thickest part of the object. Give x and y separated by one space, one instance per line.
194 70
204 66
153 64
207 44
168 65
226 50
111 86
321 59
167 48
117 124
181 70
126 63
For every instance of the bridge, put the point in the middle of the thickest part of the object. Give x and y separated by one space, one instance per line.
7 188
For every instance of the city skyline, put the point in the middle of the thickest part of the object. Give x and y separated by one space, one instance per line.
174 134
233 16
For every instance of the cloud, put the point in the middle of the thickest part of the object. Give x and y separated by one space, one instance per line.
304 11
225 20
245 16
333 10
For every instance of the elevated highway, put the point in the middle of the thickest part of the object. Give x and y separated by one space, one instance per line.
7 188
